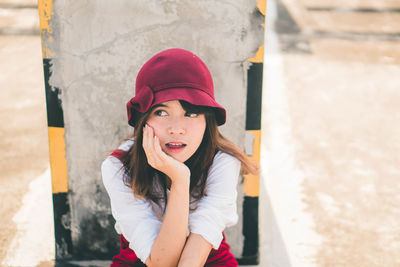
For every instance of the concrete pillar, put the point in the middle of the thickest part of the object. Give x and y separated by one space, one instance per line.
92 52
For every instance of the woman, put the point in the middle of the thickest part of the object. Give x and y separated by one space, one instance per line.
172 186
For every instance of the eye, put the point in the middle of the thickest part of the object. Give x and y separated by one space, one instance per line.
160 112
191 114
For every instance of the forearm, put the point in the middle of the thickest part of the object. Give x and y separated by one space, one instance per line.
169 243
195 252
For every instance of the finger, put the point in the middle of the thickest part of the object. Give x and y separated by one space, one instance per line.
153 155
146 143
144 139
153 143
162 161
158 149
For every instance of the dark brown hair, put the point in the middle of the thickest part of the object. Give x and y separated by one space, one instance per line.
146 181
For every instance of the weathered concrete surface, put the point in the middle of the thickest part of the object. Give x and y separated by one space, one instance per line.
330 139
98 49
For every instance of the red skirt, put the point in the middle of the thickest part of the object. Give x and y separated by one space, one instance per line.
218 257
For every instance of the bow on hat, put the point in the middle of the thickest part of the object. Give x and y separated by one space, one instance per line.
143 100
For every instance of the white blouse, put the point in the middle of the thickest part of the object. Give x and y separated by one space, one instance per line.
139 220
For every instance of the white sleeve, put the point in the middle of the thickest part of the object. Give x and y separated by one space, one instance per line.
135 217
217 209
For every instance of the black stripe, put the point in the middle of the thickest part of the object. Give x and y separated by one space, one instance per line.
254 93
55 117
354 10
62 225
250 232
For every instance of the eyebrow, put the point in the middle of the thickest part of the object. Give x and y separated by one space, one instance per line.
160 105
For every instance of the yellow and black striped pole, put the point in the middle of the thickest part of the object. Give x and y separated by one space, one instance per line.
55 122
253 135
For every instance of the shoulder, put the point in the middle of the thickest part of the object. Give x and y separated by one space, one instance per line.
111 171
223 160
112 160
224 167
126 145
122 149
112 167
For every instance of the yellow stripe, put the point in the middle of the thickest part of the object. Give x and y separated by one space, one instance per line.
259 57
262 4
252 182
58 161
45 12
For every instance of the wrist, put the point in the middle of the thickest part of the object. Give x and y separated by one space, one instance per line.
180 176
181 184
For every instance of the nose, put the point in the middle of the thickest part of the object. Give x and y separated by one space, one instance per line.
177 127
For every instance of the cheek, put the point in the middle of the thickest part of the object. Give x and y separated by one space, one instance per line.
156 126
199 132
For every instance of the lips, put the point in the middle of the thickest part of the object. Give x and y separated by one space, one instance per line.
175 145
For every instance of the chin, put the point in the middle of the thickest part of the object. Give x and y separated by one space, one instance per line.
178 157
182 159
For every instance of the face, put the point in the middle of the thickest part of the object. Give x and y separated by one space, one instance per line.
180 132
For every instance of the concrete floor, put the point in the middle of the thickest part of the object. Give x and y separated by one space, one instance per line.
26 209
340 78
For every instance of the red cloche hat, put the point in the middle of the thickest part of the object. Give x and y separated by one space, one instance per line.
174 74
